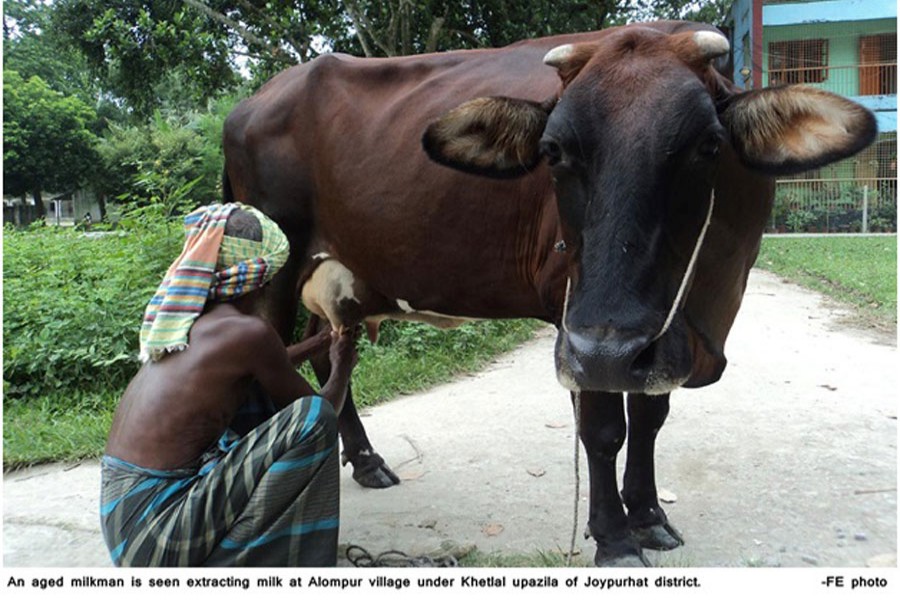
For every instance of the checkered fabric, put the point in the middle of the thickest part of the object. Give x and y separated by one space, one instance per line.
212 266
270 498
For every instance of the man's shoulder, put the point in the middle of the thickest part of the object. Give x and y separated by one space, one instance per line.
225 322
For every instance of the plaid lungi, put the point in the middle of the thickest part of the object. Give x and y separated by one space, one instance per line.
270 498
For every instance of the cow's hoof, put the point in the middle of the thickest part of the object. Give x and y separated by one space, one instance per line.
650 527
622 554
370 470
658 537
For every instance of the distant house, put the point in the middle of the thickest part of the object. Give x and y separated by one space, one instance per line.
61 209
848 47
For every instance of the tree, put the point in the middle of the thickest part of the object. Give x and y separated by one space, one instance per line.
47 141
135 45
33 48
706 11
397 27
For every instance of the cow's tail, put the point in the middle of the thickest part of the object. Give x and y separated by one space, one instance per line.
227 192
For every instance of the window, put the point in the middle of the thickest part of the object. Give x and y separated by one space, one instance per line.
798 61
877 64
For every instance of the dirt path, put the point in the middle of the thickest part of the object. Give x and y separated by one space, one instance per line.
790 460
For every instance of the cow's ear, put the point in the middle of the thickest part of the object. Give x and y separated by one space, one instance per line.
784 130
496 137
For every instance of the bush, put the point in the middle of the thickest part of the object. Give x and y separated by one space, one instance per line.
156 162
73 306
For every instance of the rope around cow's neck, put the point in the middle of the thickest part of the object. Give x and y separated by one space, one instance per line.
690 268
684 280
668 323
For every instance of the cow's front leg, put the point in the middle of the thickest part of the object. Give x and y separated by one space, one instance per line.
369 468
602 431
648 521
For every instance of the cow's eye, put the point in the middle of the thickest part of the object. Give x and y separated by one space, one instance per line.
709 147
552 150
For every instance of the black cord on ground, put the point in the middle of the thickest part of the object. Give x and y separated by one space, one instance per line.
360 557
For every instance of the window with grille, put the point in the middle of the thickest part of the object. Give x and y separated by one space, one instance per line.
798 61
877 64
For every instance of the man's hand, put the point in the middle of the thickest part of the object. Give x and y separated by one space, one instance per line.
343 358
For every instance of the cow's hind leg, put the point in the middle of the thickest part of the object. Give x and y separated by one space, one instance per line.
648 521
369 468
602 431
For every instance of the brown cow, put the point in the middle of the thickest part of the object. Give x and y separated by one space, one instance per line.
630 183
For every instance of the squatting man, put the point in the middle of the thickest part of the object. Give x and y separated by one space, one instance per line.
194 474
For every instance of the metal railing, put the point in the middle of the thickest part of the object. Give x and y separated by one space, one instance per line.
839 205
848 80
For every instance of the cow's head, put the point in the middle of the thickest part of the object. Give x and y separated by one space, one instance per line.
634 142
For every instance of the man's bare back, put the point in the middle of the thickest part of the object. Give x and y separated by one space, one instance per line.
176 408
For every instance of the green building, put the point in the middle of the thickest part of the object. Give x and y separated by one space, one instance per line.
848 47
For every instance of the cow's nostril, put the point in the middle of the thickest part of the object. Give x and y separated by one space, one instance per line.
645 360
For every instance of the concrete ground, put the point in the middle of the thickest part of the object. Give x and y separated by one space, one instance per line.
790 460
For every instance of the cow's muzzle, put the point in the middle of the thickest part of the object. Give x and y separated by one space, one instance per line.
611 360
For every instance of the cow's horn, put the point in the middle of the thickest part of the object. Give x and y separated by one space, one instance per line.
558 56
711 44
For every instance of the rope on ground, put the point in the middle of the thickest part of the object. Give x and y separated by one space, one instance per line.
360 557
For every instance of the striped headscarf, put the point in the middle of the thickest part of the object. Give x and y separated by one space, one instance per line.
212 266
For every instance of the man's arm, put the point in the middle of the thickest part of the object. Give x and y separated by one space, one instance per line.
343 358
303 350
272 367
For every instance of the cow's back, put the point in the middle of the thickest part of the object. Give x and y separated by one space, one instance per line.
334 146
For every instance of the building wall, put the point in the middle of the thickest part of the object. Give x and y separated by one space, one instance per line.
826 11
843 47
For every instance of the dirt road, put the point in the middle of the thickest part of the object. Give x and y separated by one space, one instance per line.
790 460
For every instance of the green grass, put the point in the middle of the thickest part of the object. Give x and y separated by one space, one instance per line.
40 432
557 559
423 357
858 271
540 559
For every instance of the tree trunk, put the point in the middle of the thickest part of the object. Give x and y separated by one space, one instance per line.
39 205
101 203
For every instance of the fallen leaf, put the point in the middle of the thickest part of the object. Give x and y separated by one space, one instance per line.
666 496
830 388
492 529
411 474
536 472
